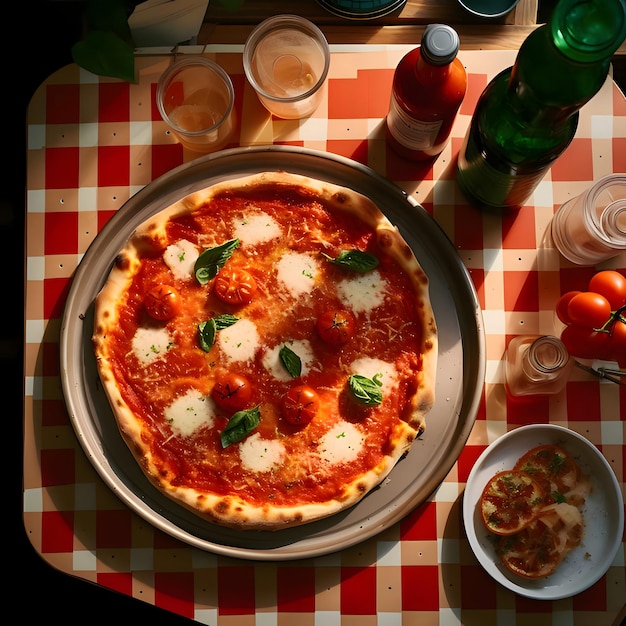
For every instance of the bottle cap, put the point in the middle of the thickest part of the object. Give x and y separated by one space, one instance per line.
440 44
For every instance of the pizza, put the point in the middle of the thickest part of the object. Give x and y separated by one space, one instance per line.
268 349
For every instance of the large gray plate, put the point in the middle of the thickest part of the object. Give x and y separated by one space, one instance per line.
460 373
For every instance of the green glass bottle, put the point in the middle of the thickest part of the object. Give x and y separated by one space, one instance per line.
528 114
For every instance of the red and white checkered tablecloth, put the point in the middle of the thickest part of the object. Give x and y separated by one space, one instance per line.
94 142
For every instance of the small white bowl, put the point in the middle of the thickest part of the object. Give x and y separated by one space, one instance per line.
603 513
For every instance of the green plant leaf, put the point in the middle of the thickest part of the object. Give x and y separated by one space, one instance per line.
111 16
105 54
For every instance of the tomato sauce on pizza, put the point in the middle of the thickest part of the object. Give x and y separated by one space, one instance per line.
268 349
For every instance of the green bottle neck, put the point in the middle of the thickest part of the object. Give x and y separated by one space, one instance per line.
546 84
588 31
564 63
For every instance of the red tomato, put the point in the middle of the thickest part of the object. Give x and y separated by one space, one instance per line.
162 302
510 501
538 549
232 392
617 342
585 343
235 286
589 309
555 470
611 285
300 405
562 304
336 327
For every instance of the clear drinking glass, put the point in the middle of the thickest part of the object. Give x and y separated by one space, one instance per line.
286 60
591 227
195 96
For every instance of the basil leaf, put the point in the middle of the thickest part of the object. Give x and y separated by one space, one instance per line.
207 330
291 361
240 425
224 321
354 260
212 260
206 334
366 390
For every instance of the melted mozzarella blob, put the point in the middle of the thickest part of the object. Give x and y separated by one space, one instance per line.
189 412
240 341
255 228
181 257
150 344
363 292
297 272
341 444
260 455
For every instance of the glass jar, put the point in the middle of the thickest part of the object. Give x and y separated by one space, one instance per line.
536 365
591 227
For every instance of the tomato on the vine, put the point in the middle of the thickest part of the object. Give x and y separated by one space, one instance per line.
235 286
589 309
585 342
617 334
162 302
595 320
610 284
562 304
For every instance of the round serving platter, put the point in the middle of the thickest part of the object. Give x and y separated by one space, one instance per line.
460 369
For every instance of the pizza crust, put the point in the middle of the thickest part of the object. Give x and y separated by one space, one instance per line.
231 509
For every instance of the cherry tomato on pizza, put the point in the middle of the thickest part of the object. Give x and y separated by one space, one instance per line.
232 391
162 302
300 405
510 500
235 286
336 327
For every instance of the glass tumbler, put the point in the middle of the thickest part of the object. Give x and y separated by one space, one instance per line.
591 227
196 98
286 60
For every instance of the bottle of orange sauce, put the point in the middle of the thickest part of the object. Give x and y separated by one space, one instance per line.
429 85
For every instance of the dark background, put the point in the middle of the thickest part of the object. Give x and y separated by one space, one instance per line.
38 36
